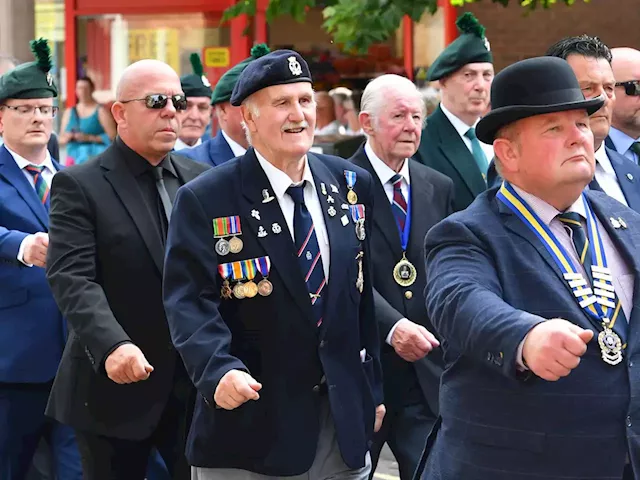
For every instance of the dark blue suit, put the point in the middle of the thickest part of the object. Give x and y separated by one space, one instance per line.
275 338
214 151
488 276
33 334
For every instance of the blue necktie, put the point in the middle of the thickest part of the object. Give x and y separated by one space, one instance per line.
478 153
308 251
399 205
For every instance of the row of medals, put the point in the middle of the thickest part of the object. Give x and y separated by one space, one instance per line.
247 289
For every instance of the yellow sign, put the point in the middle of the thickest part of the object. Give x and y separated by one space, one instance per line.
160 44
216 57
49 21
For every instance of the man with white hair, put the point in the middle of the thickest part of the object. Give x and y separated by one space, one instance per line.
410 198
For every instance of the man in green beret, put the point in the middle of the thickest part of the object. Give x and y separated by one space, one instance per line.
230 141
33 329
449 143
197 116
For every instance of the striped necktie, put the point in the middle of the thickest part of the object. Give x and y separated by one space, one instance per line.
399 204
308 251
478 153
42 189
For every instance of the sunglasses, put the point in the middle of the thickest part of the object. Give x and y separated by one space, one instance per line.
631 88
158 101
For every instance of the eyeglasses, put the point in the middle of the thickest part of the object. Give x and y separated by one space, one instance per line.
158 101
29 110
631 88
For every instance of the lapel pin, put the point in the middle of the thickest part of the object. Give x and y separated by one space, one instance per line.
309 256
330 199
630 177
323 188
275 228
615 223
255 214
262 232
345 220
344 206
266 196
622 223
331 211
334 189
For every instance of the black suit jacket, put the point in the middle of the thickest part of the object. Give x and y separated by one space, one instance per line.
431 200
104 266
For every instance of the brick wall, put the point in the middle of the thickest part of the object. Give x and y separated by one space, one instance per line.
515 34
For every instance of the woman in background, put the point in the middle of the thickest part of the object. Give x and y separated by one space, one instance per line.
88 128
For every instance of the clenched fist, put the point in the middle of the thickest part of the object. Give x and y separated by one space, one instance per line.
35 249
235 388
127 364
412 341
553 348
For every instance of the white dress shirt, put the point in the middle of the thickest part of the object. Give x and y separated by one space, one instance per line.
606 176
180 145
623 278
462 129
47 175
236 148
280 182
385 173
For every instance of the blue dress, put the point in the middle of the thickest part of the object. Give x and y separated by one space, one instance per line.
80 152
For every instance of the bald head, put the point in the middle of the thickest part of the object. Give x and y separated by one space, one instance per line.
626 110
139 75
625 62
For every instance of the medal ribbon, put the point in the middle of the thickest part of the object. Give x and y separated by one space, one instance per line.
404 238
264 266
225 270
350 177
519 206
357 211
249 268
234 225
237 271
220 227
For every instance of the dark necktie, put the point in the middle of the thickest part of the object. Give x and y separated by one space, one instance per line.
478 153
635 148
308 251
167 205
399 204
40 184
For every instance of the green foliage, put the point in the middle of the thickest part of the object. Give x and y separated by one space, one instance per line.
357 24
42 52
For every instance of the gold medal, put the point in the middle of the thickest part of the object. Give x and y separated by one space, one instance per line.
265 287
226 290
250 289
610 346
239 291
352 197
404 273
235 245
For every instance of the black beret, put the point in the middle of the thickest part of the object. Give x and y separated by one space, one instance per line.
276 68
33 79
196 84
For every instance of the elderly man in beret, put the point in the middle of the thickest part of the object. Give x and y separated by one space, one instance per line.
449 142
269 298
230 141
532 287
197 116
33 331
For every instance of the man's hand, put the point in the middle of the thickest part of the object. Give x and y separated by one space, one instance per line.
553 348
235 388
127 364
412 341
380 413
35 249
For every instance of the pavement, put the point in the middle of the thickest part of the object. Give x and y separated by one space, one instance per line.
387 466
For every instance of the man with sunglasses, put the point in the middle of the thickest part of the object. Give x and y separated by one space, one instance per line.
624 136
197 115
121 385
33 331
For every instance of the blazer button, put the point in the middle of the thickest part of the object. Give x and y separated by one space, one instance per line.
408 294
322 343
316 389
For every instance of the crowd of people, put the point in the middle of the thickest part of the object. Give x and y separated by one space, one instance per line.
461 289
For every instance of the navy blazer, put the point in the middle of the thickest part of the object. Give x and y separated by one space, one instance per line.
275 338
32 329
489 281
213 152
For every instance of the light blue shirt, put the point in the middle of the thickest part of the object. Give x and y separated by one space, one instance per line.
623 143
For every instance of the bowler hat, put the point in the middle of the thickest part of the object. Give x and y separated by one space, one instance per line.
533 87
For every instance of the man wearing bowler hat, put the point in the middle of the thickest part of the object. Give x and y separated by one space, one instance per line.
532 287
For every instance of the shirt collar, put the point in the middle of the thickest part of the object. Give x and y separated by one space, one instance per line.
547 212
180 145
458 124
621 140
236 148
384 172
167 165
23 162
279 180
603 159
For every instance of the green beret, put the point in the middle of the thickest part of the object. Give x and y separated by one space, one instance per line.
33 79
196 84
224 87
470 47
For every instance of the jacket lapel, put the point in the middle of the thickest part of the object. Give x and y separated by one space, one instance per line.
12 174
219 150
421 196
185 168
626 172
279 247
126 188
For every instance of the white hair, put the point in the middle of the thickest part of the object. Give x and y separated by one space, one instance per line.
253 108
374 95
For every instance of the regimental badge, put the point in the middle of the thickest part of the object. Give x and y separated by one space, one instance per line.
261 232
205 81
486 43
614 223
49 79
276 228
622 223
266 196
331 211
255 214
294 66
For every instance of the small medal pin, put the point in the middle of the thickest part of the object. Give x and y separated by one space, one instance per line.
614 223
262 232
334 189
255 214
276 228
344 206
350 177
323 188
266 196
622 223
330 199
345 220
331 211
